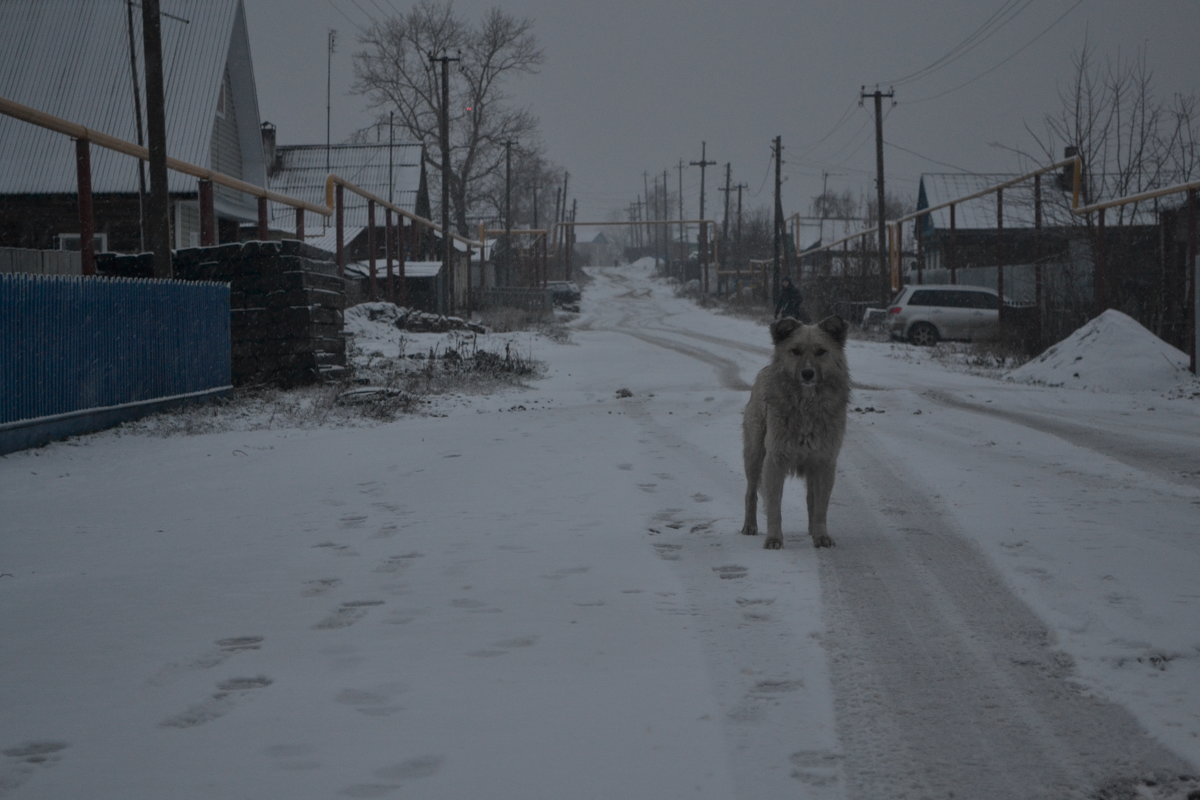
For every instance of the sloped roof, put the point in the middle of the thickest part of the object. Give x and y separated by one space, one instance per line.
71 58
815 232
300 171
937 188
941 187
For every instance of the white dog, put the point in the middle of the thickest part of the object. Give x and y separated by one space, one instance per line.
794 424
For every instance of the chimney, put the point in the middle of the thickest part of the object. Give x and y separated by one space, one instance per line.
268 143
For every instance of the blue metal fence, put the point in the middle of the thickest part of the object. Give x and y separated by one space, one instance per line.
74 346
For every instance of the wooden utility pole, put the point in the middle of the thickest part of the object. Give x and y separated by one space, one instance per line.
725 220
666 229
881 212
444 143
508 206
682 227
703 239
775 277
738 231
159 216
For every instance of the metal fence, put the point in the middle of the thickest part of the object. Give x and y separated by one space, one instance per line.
40 262
78 353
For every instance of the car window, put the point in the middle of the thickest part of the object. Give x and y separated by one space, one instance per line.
979 300
923 297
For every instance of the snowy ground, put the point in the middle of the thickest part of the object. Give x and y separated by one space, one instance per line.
541 593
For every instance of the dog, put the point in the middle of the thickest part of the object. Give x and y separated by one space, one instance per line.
795 422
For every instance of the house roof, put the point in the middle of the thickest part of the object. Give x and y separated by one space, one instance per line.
937 188
71 58
300 171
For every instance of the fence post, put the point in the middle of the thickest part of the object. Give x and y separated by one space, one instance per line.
262 219
388 251
1194 263
300 224
999 248
401 254
1037 242
87 222
340 226
951 255
208 228
371 248
1099 282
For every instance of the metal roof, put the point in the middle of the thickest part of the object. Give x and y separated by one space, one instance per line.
71 58
937 188
941 187
300 171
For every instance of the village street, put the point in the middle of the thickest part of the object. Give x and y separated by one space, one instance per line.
542 593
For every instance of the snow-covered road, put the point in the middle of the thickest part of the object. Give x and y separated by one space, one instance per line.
542 594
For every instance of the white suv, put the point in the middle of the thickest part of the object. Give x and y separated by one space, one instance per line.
928 313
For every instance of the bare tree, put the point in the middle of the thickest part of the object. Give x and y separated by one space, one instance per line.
394 71
1129 141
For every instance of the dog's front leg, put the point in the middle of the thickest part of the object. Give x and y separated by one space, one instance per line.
772 494
820 488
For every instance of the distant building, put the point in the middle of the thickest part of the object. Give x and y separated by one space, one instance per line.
600 251
394 172
73 59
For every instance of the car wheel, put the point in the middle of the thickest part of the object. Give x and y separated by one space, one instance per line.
923 334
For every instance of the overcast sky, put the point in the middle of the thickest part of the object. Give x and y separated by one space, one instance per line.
633 86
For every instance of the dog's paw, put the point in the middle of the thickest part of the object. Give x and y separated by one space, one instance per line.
822 541
773 544
750 530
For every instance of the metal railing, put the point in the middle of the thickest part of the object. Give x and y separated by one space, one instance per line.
335 188
84 137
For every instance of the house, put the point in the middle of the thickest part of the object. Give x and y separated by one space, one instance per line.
599 251
390 171
82 60
393 171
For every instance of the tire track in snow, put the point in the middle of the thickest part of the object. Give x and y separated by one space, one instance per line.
1173 458
945 683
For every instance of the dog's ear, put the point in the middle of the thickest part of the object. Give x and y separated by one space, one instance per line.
782 329
835 326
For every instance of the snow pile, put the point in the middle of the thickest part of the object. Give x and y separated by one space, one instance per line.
1111 353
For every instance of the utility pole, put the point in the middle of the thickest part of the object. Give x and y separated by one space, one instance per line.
703 239
332 41
778 219
444 130
508 205
156 129
738 231
666 229
884 272
727 188
646 188
682 227
641 229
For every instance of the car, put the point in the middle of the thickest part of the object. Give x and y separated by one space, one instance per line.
564 293
927 314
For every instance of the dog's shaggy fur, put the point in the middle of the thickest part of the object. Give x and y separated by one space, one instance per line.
794 423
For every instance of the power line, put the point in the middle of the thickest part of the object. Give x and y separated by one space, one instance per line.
1010 57
1007 12
930 160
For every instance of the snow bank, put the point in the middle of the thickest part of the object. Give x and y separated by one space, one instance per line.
1111 353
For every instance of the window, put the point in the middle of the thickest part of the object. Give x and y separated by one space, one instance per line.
978 300
72 241
923 297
